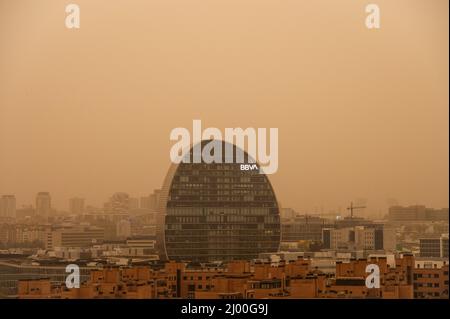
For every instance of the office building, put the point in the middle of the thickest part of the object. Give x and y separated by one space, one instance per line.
118 203
43 204
216 211
434 247
80 236
303 227
8 206
76 206
151 201
374 237
336 238
123 228
417 213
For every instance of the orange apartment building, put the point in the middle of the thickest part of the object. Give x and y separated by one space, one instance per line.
241 280
430 282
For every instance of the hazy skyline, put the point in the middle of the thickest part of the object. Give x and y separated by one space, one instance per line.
361 113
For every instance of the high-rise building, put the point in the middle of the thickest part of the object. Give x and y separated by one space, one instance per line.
8 206
216 211
385 238
151 201
416 213
326 237
123 228
119 203
43 204
76 206
144 202
155 197
434 247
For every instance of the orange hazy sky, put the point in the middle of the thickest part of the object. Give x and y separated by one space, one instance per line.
362 114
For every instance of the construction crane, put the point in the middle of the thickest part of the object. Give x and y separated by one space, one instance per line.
351 208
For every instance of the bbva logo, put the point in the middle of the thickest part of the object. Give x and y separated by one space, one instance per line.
249 167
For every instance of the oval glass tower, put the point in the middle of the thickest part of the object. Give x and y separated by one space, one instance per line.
217 212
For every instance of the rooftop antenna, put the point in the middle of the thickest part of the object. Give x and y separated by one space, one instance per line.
351 208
